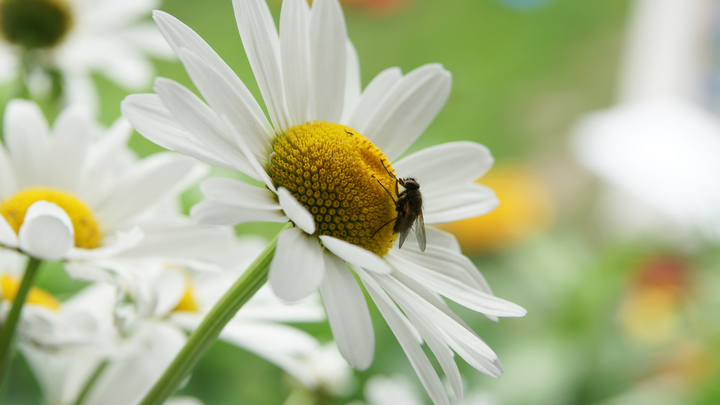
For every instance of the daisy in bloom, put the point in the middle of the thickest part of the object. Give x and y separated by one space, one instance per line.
77 38
119 375
74 192
83 320
326 160
183 297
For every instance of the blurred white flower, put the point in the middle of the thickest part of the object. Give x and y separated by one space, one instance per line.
184 297
85 321
395 390
119 377
77 38
658 149
331 181
75 192
326 370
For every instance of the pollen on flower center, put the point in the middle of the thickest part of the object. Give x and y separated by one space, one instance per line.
87 230
9 287
334 171
34 23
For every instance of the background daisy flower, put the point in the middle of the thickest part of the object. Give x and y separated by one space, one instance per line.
75 192
76 38
321 173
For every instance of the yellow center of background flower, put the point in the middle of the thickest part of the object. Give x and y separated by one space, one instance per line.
187 302
34 23
9 286
87 230
332 170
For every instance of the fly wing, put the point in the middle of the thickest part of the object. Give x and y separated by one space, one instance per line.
403 226
420 232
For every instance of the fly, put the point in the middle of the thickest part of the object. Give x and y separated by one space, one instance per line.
409 209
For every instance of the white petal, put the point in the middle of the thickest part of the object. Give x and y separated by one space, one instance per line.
355 254
255 163
446 166
181 36
280 344
150 117
47 232
123 241
88 272
296 211
295 48
80 89
262 47
353 84
347 313
8 183
214 212
226 101
455 288
26 136
297 267
405 112
373 94
197 118
69 148
442 352
126 380
445 254
446 175
236 192
327 49
418 359
183 401
182 240
8 237
464 341
170 287
156 177
466 202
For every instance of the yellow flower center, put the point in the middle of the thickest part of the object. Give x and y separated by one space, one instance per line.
34 23
87 230
187 302
9 286
335 172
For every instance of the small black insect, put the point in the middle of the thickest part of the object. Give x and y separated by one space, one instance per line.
409 209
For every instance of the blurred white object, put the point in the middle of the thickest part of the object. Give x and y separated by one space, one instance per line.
659 149
665 152
667 51
397 390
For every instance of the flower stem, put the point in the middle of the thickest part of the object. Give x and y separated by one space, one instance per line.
90 382
8 331
209 329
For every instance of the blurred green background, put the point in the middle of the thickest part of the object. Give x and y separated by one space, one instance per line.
521 77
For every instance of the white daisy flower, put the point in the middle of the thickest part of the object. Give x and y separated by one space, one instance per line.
333 183
84 320
122 377
67 193
80 37
183 298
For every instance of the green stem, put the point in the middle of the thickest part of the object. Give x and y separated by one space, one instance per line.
209 329
8 331
88 385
